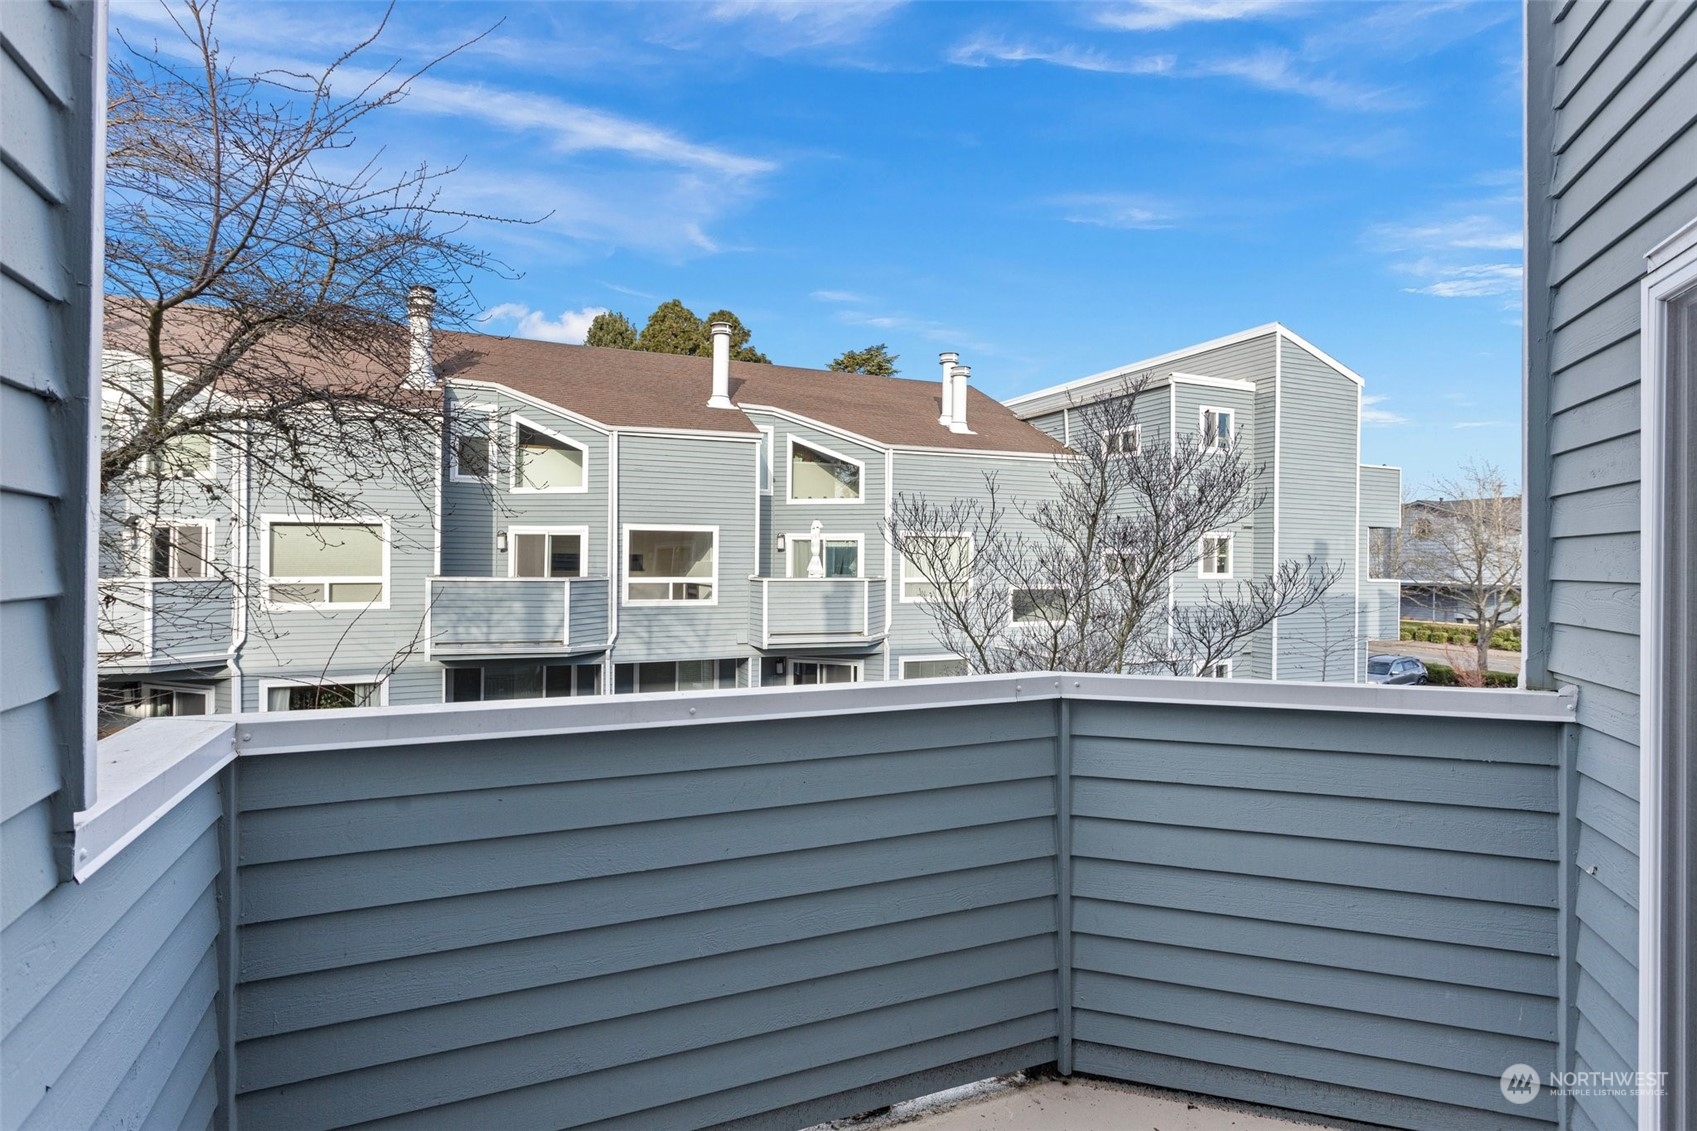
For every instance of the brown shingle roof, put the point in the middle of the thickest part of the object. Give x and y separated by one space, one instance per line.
630 388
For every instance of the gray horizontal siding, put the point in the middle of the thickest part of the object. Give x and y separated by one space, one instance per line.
111 985
721 913
1612 101
1364 931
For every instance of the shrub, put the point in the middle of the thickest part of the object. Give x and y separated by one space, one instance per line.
1443 675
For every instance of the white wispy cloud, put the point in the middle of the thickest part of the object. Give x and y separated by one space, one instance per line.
1471 280
1115 210
1482 424
1379 417
984 49
1281 71
1479 231
839 296
1465 250
781 26
1160 15
570 327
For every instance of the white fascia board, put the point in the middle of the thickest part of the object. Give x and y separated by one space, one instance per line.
1028 405
1178 378
690 433
798 418
987 453
534 402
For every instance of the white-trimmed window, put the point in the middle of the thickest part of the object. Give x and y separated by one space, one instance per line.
765 458
1216 558
325 564
1218 428
1124 441
1038 606
179 549
154 701
321 695
667 564
949 555
818 475
189 456
839 554
519 681
932 667
544 461
547 551
811 673
676 675
473 448
1220 670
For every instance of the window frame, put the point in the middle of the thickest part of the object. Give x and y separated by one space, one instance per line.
152 526
1230 538
513 533
174 690
790 442
763 457
266 686
791 540
1113 434
1208 671
1040 622
972 558
208 475
515 470
266 579
455 434
927 658
625 598
1230 432
856 666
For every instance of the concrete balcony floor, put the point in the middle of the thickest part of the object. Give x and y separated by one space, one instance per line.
1021 1103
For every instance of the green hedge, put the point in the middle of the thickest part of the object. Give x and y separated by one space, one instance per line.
1442 675
1434 632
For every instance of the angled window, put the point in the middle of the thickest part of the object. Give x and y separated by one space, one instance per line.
664 565
947 556
180 550
325 563
819 476
1216 555
543 461
839 555
547 553
765 458
1038 606
1124 441
1217 428
183 457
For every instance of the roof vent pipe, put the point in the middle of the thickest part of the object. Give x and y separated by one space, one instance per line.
962 373
948 413
721 397
421 367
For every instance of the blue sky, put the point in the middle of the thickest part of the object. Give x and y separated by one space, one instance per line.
1050 189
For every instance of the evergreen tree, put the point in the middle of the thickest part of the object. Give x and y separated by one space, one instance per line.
611 330
876 361
674 328
740 349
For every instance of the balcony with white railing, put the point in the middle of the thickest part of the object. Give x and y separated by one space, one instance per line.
816 612
788 905
490 617
160 624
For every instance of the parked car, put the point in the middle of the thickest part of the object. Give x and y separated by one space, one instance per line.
1395 669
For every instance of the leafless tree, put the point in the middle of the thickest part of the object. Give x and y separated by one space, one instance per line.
257 274
1468 541
1079 579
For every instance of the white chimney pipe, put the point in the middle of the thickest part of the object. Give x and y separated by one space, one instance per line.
948 413
962 373
721 397
421 367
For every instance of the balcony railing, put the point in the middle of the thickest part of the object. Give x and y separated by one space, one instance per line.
799 612
792 905
516 616
154 624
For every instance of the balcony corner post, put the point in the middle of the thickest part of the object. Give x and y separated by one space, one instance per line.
1063 884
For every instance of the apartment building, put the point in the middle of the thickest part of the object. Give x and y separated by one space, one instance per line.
620 521
1295 412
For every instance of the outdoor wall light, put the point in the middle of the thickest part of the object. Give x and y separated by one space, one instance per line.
501 542
778 668
783 543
